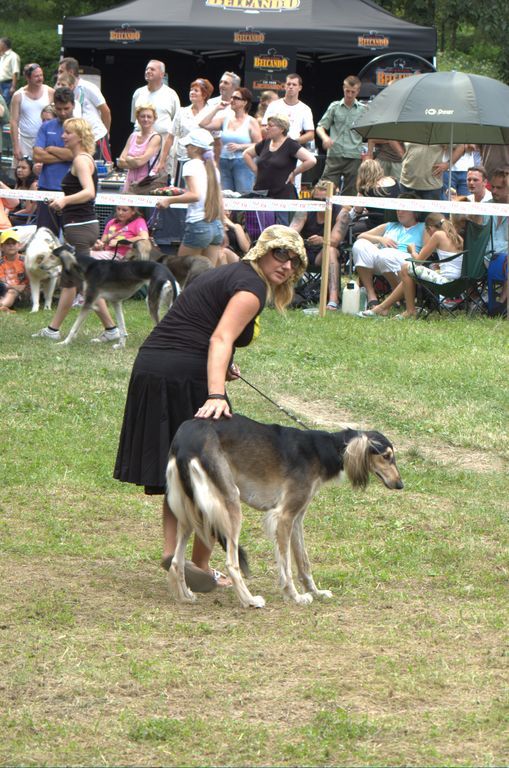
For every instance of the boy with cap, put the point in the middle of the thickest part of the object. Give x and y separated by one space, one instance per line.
13 279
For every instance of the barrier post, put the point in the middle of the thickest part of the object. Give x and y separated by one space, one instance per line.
327 225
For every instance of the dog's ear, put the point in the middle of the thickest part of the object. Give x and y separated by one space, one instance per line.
356 460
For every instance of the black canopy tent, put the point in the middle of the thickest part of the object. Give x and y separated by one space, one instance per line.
339 27
202 38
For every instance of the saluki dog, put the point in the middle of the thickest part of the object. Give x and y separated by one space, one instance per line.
214 465
116 281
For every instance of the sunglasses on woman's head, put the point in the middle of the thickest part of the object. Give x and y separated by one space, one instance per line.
283 255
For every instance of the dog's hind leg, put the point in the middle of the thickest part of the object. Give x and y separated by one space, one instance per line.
283 537
232 561
176 574
302 559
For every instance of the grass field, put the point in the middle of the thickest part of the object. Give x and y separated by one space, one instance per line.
407 664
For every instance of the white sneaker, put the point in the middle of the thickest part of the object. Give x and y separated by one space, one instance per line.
47 333
112 335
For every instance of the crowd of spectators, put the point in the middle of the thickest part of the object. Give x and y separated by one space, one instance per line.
239 152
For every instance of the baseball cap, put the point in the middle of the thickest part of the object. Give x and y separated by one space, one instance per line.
198 137
9 234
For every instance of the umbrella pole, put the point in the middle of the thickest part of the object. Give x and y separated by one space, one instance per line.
450 167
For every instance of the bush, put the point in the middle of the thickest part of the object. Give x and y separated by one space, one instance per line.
35 42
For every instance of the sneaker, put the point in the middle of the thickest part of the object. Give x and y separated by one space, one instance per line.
78 301
452 303
47 333
111 335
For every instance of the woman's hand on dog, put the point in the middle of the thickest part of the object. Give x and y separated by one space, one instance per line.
213 409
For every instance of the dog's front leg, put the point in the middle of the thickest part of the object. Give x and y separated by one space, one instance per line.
284 562
49 291
302 560
35 290
76 326
119 316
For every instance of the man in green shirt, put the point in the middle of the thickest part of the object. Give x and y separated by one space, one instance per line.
343 145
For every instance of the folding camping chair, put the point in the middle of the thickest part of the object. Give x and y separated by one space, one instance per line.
470 284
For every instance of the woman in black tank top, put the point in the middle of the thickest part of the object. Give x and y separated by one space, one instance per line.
80 223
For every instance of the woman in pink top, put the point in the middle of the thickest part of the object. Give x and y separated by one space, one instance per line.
141 151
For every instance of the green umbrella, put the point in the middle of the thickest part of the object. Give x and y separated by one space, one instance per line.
439 108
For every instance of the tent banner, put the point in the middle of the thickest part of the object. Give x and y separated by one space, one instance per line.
268 68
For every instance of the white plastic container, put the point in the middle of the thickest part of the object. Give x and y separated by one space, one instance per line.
350 301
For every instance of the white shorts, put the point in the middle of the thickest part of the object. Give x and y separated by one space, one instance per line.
380 260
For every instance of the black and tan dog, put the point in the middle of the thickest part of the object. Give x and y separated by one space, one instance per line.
116 281
214 465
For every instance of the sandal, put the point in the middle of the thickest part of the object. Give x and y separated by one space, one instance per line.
332 306
222 580
369 313
196 579
372 303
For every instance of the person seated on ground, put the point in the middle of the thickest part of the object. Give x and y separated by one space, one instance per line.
25 179
382 250
13 278
127 224
371 182
310 227
236 242
443 237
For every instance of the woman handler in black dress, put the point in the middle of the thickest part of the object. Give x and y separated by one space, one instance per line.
181 368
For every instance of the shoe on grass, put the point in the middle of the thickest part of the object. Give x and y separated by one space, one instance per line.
111 335
47 333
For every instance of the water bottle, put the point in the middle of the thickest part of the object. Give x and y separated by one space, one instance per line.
363 299
350 300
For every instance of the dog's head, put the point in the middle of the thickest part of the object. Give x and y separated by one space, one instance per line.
371 453
67 255
40 251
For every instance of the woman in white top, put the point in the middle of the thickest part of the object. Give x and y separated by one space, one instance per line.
204 231
186 118
443 238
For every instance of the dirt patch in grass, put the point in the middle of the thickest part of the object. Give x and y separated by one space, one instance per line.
324 416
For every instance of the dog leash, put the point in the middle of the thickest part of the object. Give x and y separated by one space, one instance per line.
280 407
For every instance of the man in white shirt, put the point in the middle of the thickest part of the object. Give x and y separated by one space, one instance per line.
10 67
162 97
477 180
93 107
302 126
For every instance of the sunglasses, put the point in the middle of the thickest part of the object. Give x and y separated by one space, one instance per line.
283 255
30 68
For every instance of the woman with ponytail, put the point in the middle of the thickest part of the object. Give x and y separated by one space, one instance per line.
203 234
443 237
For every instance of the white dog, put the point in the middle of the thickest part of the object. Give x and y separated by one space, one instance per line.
42 267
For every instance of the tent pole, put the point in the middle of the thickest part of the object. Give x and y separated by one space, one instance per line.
450 167
325 248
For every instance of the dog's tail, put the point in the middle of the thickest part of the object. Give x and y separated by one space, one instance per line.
169 293
356 460
243 561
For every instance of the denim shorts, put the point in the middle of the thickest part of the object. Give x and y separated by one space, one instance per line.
201 234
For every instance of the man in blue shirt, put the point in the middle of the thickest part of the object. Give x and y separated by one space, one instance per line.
49 150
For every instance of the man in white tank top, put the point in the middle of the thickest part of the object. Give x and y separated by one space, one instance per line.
26 106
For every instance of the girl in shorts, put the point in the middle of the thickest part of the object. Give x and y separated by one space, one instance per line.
203 234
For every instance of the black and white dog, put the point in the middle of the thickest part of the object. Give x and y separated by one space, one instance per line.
214 465
116 281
